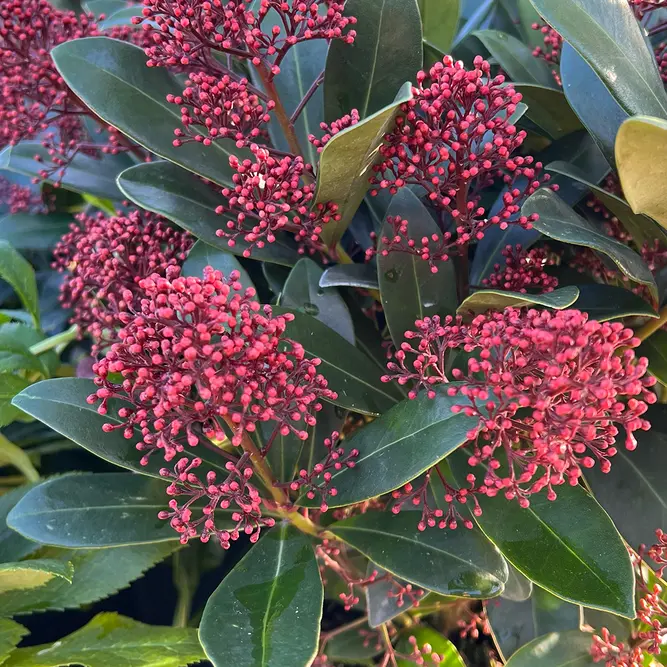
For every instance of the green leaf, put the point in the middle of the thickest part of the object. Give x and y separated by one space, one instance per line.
409 289
516 58
634 492
527 18
98 573
12 455
302 292
640 148
517 588
31 231
110 640
556 544
112 79
604 34
606 302
386 52
122 17
13 547
15 354
61 404
350 275
10 635
557 649
558 221
439 22
480 302
380 606
84 174
165 188
91 510
21 276
640 227
449 656
273 594
352 648
32 574
451 562
349 372
655 349
347 161
549 110
10 386
398 447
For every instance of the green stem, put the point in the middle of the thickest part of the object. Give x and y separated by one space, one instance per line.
59 340
186 577
652 326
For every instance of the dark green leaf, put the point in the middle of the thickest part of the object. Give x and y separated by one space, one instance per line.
439 21
61 404
347 161
13 547
451 562
302 292
386 52
349 372
557 544
484 300
548 109
10 635
167 189
558 649
15 354
91 510
98 573
528 17
449 656
112 78
517 588
380 606
352 648
516 58
21 276
409 289
272 596
350 275
110 640
29 231
32 574
558 221
655 349
602 35
606 302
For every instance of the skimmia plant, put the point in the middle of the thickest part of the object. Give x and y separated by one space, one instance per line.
352 312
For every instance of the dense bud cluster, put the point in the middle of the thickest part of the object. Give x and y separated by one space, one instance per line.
549 390
332 129
19 199
523 271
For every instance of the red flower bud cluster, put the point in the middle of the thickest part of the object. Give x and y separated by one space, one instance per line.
235 495
331 130
186 33
219 108
268 197
106 258
19 199
523 271
549 390
195 354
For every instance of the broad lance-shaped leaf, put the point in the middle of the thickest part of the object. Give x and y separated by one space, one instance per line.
558 221
398 447
439 22
273 601
165 188
112 79
347 161
387 51
608 36
606 302
83 511
32 573
61 404
34 231
110 639
451 562
484 300
349 372
409 289
556 544
548 109
351 275
557 649
21 276
13 547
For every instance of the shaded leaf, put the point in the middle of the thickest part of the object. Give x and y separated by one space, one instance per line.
439 22
557 649
606 302
31 231
380 606
483 300
351 647
10 635
548 109
21 276
13 547
655 349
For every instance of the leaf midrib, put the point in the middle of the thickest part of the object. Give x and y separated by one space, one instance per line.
272 591
374 65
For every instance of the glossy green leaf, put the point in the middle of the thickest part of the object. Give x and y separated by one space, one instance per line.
549 110
439 22
449 656
527 18
21 276
558 221
518 588
606 302
347 161
84 174
273 595
350 275
452 562
409 289
110 640
607 35
13 547
302 292
557 649
31 231
98 573
516 58
380 606
167 189
399 446
349 372
61 404
15 354
634 492
91 510
10 635
480 302
386 52
32 574
655 349
557 544
112 78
